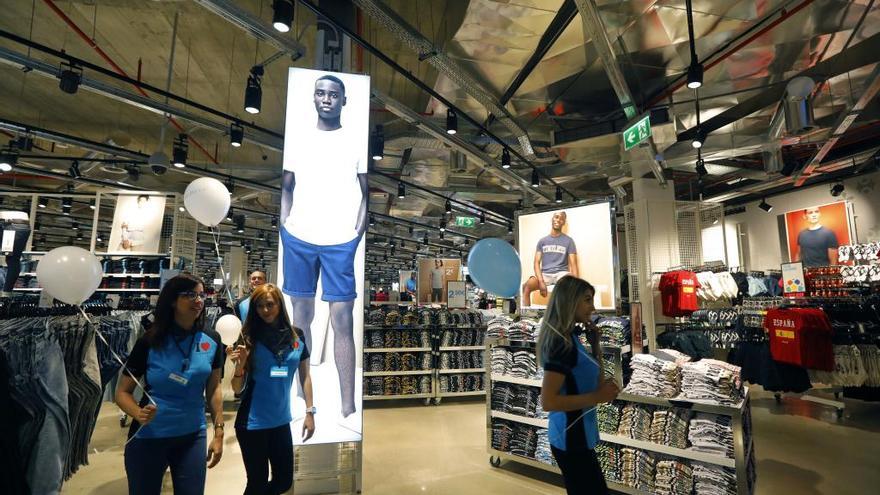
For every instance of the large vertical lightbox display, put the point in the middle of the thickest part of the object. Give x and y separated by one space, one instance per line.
321 253
577 240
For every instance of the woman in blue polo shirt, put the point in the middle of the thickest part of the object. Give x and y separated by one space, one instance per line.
573 385
272 353
179 363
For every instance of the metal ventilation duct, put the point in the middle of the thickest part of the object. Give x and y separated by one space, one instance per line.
798 106
413 39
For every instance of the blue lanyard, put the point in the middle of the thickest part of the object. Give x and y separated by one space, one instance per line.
186 357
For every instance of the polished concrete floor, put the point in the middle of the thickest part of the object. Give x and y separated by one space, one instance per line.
802 448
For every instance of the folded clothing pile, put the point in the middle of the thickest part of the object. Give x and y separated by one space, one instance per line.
543 452
615 330
712 381
654 377
637 469
714 480
673 478
510 398
498 326
609 459
523 329
455 360
711 433
461 383
502 360
608 415
635 422
670 427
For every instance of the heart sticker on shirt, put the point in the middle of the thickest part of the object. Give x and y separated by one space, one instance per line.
205 346
296 345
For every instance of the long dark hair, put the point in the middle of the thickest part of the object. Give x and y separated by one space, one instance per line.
164 311
559 320
254 323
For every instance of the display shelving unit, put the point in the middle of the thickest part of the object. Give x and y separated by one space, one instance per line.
435 372
740 424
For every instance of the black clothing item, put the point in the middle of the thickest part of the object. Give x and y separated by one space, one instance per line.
276 337
581 472
814 246
694 343
259 450
757 366
13 258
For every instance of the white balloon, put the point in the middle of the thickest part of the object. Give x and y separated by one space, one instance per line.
229 328
207 200
69 274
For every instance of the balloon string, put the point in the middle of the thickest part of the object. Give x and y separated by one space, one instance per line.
113 353
216 237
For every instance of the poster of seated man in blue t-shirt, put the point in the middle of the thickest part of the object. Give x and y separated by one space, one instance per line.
555 257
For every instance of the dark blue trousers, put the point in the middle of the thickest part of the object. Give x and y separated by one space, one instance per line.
146 460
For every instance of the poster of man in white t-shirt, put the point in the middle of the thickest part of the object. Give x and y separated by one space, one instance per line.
323 219
137 224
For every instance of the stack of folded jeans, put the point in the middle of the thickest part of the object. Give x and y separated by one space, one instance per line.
673 478
670 427
637 469
655 377
543 452
615 330
609 459
635 422
711 433
608 415
714 480
502 360
498 327
502 433
524 329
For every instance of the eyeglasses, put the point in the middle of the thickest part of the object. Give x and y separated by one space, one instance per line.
192 295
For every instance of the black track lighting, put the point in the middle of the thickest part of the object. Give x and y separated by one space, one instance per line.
92 205
837 189
282 15
695 69
253 92
695 75
411 230
8 159
451 121
699 139
180 151
448 207
443 223
764 205
509 228
482 218
377 143
442 234
536 179
74 170
701 165
401 190
505 158
66 205
274 222
79 236
558 198
425 240
134 173
236 134
71 76
229 215
42 202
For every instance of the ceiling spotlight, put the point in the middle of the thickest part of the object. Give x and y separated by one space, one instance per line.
482 218
180 151
372 220
448 206
505 158
99 239
695 75
425 240
701 168
70 78
558 194
274 222
411 230
837 189
75 226
451 121
377 144
443 223
74 170
79 236
229 215
66 205
42 202
442 233
91 205
401 190
697 143
282 16
236 134
253 92
764 205
509 228
536 179
8 159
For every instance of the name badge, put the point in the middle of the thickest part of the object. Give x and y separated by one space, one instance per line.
278 372
178 379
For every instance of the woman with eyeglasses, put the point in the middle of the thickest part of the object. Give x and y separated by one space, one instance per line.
573 384
178 361
273 352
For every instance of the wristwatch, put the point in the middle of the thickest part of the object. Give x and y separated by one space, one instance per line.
311 410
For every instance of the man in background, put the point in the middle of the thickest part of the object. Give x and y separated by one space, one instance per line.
242 305
555 257
817 245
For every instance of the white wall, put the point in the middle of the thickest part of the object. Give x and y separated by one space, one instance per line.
764 249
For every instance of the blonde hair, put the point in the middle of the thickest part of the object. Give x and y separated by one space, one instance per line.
554 337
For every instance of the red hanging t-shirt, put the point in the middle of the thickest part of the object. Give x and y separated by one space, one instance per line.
678 293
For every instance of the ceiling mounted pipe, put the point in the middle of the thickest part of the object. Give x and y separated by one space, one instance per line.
798 106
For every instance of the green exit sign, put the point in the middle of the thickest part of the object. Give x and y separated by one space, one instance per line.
637 133
467 222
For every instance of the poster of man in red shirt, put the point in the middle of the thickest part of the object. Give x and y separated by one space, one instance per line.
815 232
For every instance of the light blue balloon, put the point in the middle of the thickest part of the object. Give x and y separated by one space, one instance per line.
494 266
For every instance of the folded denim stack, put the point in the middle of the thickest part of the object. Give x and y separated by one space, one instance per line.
540 413
424 338
635 422
502 394
524 329
498 326
654 377
444 317
608 415
670 427
410 319
374 339
673 478
461 383
502 360
376 317
637 469
609 459
452 360
524 441
711 380
524 365
712 434
461 337
543 452
615 330
502 433
714 480
392 318
375 362
427 317
375 385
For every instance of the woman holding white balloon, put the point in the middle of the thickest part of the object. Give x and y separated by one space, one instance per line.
180 361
